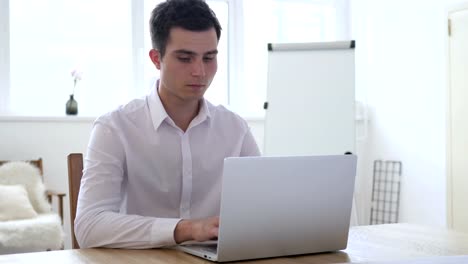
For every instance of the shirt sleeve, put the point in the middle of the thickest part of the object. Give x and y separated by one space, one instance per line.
98 221
249 145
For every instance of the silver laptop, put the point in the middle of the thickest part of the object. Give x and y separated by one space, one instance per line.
278 206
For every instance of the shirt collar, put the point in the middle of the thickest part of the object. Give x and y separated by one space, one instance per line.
203 113
158 112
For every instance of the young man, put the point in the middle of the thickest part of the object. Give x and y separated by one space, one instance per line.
153 168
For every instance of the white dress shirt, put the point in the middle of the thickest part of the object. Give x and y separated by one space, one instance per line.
143 174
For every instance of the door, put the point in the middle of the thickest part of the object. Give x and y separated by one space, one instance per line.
457 162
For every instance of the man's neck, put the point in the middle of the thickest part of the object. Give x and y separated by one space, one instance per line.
181 112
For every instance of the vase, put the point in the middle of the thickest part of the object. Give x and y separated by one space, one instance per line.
71 106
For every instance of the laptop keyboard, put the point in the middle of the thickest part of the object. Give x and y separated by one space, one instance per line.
206 248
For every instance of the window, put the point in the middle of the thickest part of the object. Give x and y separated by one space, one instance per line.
281 21
47 39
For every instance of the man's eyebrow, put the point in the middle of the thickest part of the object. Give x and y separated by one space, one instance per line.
192 53
213 52
187 52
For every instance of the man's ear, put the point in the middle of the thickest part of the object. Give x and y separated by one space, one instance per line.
155 57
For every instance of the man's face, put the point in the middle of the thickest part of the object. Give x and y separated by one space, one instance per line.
189 64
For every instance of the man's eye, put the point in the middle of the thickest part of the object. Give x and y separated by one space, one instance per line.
184 59
208 59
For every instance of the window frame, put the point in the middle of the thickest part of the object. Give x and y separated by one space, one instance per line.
4 57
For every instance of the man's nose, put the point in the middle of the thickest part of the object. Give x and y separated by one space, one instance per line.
198 68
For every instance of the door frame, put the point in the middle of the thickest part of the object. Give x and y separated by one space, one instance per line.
449 179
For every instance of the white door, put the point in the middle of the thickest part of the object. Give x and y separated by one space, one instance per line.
457 162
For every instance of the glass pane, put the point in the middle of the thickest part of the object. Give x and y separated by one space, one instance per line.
218 91
280 21
50 38
303 21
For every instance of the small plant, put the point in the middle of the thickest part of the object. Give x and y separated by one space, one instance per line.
77 76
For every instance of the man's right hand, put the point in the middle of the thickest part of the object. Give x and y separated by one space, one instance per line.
197 229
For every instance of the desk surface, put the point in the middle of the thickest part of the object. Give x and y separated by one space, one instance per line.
365 244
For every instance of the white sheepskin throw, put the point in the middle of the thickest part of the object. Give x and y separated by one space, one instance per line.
14 203
40 233
28 175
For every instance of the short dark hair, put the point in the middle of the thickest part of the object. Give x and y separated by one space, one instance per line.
194 15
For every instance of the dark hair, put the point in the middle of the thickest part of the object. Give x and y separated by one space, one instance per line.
194 15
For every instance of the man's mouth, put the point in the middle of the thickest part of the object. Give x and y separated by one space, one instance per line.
196 86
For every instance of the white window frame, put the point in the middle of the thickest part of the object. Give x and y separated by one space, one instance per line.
138 46
4 57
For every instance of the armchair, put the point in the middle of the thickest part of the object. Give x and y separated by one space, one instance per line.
49 193
27 223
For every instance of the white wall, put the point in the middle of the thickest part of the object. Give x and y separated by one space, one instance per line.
401 73
52 139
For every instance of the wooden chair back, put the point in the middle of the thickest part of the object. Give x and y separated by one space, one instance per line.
75 171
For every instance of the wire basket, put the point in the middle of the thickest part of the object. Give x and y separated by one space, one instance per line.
385 192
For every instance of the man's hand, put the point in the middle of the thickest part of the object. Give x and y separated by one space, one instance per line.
197 229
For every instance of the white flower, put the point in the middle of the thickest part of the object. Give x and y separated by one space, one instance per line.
77 76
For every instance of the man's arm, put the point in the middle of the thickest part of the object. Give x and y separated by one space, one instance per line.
98 222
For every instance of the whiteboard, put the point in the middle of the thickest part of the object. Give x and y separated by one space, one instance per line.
310 99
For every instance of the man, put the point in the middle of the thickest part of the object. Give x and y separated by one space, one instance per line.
153 168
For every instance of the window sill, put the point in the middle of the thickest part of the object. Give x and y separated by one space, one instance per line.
17 118
13 118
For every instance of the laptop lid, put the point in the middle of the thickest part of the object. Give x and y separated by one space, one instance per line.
277 206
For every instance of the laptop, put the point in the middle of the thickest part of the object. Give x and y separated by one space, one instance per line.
280 206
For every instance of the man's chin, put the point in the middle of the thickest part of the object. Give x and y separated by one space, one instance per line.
197 94
194 97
